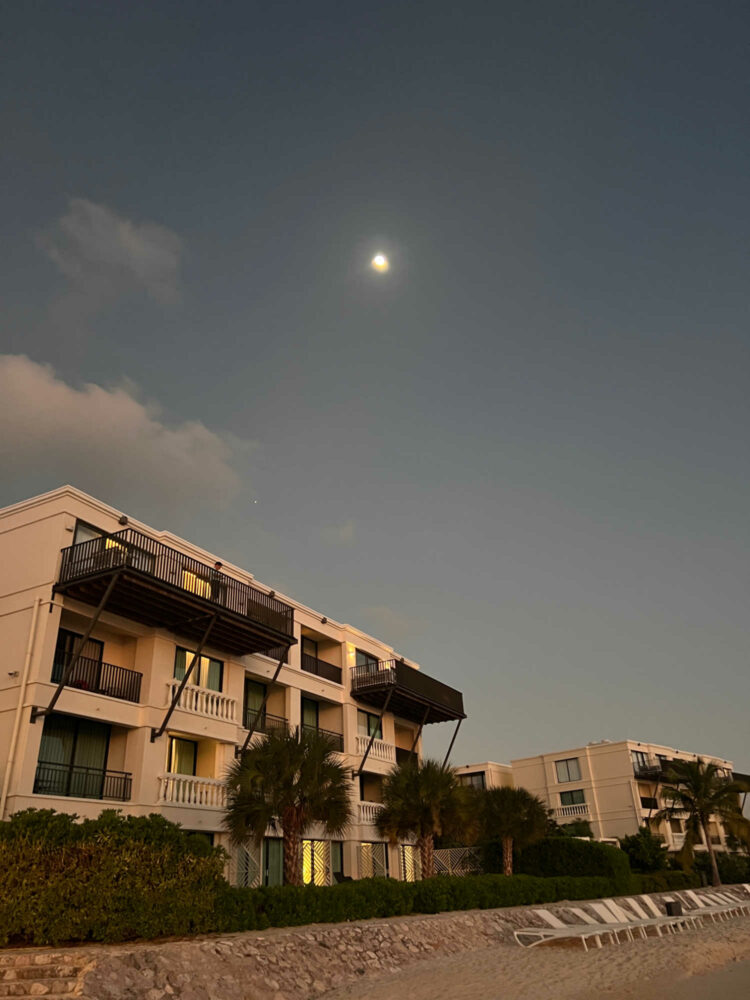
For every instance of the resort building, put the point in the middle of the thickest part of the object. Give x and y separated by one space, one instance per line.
137 666
616 787
490 774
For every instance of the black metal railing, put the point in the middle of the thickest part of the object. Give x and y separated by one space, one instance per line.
315 666
266 722
396 673
82 782
102 678
133 550
335 739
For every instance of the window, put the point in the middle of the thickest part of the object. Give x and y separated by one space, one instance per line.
86 533
196 584
573 798
182 756
337 858
675 825
474 780
273 861
367 724
649 802
309 647
72 757
255 692
373 860
640 759
366 660
309 713
568 770
207 673
315 862
87 672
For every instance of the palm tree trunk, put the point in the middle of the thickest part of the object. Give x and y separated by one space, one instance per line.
715 879
507 855
427 855
292 854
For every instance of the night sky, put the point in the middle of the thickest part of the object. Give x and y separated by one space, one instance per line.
521 455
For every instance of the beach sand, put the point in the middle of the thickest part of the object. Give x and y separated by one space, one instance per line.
698 965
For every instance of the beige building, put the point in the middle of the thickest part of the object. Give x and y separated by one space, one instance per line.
614 786
136 666
490 774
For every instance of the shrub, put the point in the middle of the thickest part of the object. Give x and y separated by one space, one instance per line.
578 858
646 852
733 868
663 881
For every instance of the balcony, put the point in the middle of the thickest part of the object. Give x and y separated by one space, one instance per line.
163 588
380 749
313 665
567 812
267 722
369 812
335 739
413 694
186 790
101 678
203 701
68 780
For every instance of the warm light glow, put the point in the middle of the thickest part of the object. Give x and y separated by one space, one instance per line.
380 262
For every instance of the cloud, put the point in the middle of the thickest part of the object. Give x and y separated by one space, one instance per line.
341 534
105 256
109 443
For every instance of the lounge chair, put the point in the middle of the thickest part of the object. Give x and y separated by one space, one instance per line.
585 918
659 922
740 906
691 918
615 923
640 921
711 908
529 937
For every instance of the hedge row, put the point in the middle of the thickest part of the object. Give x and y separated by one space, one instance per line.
108 891
663 881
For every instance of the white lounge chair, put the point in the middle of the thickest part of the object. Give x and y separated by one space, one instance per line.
659 922
712 908
585 918
617 925
740 906
641 923
691 918
557 930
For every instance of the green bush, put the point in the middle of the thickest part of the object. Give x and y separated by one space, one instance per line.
733 868
578 858
646 852
663 881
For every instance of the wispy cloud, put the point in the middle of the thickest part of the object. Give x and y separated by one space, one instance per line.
108 442
105 256
340 534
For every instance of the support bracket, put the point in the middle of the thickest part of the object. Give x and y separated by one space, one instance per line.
156 733
360 769
455 734
38 713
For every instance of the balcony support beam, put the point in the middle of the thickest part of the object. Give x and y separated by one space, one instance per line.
419 731
262 708
360 769
156 733
38 713
455 734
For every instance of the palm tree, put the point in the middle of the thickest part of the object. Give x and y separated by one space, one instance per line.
516 817
287 781
424 800
702 791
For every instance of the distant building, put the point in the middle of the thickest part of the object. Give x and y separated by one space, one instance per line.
615 786
490 774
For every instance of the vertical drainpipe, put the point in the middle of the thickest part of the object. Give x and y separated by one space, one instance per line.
19 707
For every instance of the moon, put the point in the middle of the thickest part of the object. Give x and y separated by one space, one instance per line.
380 263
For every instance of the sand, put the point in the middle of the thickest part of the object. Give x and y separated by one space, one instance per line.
698 965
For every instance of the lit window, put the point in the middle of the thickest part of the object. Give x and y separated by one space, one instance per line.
207 673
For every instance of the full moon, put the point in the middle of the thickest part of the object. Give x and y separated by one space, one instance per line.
380 262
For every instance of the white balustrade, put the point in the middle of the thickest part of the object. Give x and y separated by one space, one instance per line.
203 701
380 749
368 811
578 810
185 790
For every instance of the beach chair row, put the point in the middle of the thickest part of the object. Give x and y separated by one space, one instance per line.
612 919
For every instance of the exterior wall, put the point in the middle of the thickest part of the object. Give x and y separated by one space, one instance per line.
612 792
32 535
495 775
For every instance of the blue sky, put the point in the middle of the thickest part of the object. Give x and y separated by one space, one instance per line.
521 455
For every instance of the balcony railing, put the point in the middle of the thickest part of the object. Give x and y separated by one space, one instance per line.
82 782
563 812
159 584
185 790
267 722
369 811
414 695
101 678
319 667
380 749
335 739
203 701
